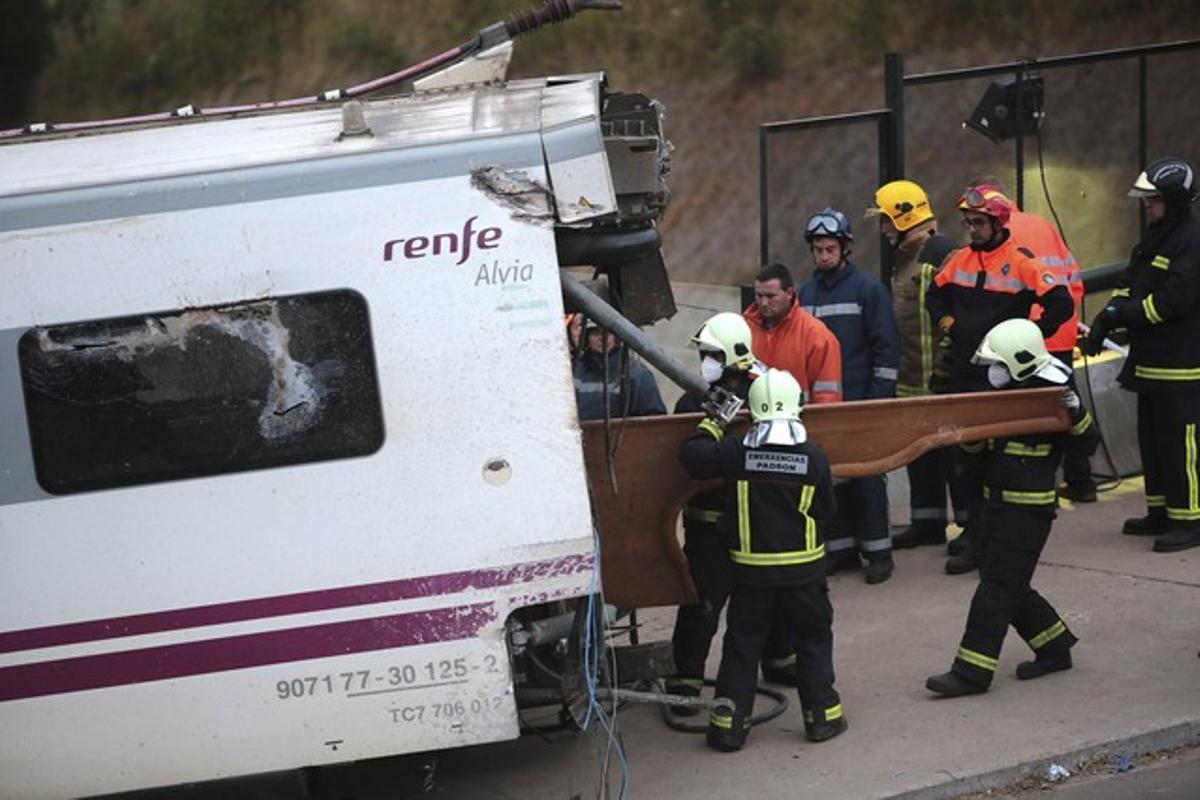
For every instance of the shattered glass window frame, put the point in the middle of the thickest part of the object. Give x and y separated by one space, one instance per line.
180 394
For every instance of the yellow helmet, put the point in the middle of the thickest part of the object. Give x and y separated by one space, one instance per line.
903 202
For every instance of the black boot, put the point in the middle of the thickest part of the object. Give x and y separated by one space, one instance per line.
879 568
1177 539
958 544
951 684
838 562
1149 525
824 731
1078 492
726 731
962 563
1028 670
917 535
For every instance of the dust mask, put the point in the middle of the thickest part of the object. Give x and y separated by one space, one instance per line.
711 370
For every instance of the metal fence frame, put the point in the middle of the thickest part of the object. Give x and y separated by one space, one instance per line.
890 120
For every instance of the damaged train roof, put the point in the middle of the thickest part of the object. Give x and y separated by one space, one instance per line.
200 145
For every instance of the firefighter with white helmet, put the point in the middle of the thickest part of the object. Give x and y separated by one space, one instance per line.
1018 476
1158 302
993 279
726 360
782 493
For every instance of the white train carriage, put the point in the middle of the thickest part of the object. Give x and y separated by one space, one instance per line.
287 432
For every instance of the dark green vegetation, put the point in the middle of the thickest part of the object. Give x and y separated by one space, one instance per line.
721 67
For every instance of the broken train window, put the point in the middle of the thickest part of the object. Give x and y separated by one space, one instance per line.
182 394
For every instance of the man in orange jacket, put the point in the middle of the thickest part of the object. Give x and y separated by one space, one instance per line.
786 337
1043 239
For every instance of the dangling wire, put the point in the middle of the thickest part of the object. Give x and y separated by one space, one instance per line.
590 663
1113 480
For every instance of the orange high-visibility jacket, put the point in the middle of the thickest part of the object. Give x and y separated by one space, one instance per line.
1030 230
978 288
802 345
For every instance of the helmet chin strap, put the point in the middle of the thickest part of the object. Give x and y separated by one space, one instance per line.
998 375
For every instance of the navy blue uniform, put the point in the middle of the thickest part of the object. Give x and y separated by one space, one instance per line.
640 392
858 310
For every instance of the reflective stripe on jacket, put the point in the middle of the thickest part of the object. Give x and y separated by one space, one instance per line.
910 282
1021 470
857 309
782 495
1037 234
1159 302
979 288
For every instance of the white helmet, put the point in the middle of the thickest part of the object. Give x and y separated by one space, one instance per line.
1017 346
776 395
728 333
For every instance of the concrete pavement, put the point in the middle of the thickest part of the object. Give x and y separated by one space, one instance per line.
1136 686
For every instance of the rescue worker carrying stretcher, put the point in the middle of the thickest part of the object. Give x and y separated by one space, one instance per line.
1018 476
782 494
725 360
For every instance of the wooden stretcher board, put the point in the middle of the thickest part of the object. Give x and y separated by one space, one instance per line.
642 563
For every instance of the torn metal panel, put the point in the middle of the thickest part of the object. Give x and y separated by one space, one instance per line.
641 560
526 199
488 66
578 168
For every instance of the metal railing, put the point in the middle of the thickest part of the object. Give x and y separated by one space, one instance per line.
890 119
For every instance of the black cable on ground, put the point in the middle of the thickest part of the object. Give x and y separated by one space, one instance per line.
674 722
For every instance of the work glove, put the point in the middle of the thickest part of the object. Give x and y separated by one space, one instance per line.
943 365
1069 400
721 404
1104 322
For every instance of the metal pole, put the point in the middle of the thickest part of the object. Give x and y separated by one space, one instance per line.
611 319
893 97
1143 115
885 247
763 197
1019 144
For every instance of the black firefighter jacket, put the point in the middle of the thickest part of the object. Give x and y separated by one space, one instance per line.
779 497
1020 470
1158 300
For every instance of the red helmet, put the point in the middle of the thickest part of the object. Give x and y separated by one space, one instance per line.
986 200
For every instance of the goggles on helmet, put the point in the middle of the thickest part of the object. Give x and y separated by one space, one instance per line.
824 225
974 199
986 200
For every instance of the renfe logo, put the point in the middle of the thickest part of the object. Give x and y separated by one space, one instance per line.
449 243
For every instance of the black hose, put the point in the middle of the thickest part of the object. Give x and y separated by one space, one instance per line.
781 704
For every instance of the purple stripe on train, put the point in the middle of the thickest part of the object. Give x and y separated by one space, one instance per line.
299 603
242 652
